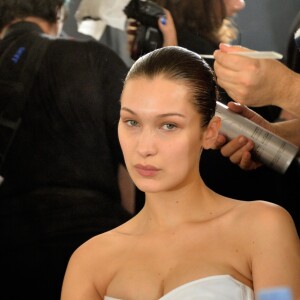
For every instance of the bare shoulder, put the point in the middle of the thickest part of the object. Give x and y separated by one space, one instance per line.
269 238
101 248
90 248
263 217
94 253
93 264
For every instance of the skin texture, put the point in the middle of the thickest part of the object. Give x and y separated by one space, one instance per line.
239 149
185 231
166 138
233 6
257 82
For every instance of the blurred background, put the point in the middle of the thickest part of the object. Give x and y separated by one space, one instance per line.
263 24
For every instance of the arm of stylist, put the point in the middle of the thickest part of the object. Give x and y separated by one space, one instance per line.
257 82
239 149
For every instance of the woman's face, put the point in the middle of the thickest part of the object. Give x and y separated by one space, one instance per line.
233 6
160 133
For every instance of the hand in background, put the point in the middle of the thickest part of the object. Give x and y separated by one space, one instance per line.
239 149
131 30
167 27
256 82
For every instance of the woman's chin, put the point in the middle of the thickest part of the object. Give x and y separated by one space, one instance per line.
148 187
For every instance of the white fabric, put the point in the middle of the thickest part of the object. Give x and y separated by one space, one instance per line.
102 13
219 287
297 33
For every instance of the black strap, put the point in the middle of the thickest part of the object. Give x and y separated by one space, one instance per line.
19 65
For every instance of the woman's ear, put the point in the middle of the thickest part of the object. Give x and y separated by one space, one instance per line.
211 133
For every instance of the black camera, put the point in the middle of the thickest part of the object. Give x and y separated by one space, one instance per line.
148 36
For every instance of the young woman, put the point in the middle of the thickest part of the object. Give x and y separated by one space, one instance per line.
187 242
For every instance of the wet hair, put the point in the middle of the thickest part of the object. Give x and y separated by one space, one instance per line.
19 9
206 18
179 64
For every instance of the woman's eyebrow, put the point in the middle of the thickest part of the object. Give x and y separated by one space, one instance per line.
128 110
170 114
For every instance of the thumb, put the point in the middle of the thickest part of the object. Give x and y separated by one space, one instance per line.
240 109
229 48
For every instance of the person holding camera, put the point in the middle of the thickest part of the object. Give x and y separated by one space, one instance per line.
200 24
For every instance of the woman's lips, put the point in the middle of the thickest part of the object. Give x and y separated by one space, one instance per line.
146 171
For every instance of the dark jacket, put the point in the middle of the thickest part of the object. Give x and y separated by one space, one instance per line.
60 184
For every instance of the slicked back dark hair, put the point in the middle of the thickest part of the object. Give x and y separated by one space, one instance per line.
182 65
14 9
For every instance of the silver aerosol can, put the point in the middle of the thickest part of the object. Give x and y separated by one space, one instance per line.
270 149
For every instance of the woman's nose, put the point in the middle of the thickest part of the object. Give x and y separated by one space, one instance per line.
147 143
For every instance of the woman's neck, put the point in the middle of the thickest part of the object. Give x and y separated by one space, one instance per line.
172 208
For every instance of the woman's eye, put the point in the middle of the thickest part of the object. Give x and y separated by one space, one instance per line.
169 126
131 123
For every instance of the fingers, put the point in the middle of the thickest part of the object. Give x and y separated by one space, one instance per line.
236 147
220 141
242 110
229 75
247 163
167 27
132 22
238 151
229 48
131 30
231 89
235 107
131 26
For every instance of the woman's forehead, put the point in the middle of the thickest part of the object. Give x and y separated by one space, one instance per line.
161 80
158 87
158 96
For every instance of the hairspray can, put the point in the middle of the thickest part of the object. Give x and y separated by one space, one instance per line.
270 149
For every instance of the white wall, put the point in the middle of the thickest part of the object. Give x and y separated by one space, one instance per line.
265 24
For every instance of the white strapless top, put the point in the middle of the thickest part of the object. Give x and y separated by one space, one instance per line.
218 287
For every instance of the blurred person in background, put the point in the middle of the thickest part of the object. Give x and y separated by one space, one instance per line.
200 25
61 171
